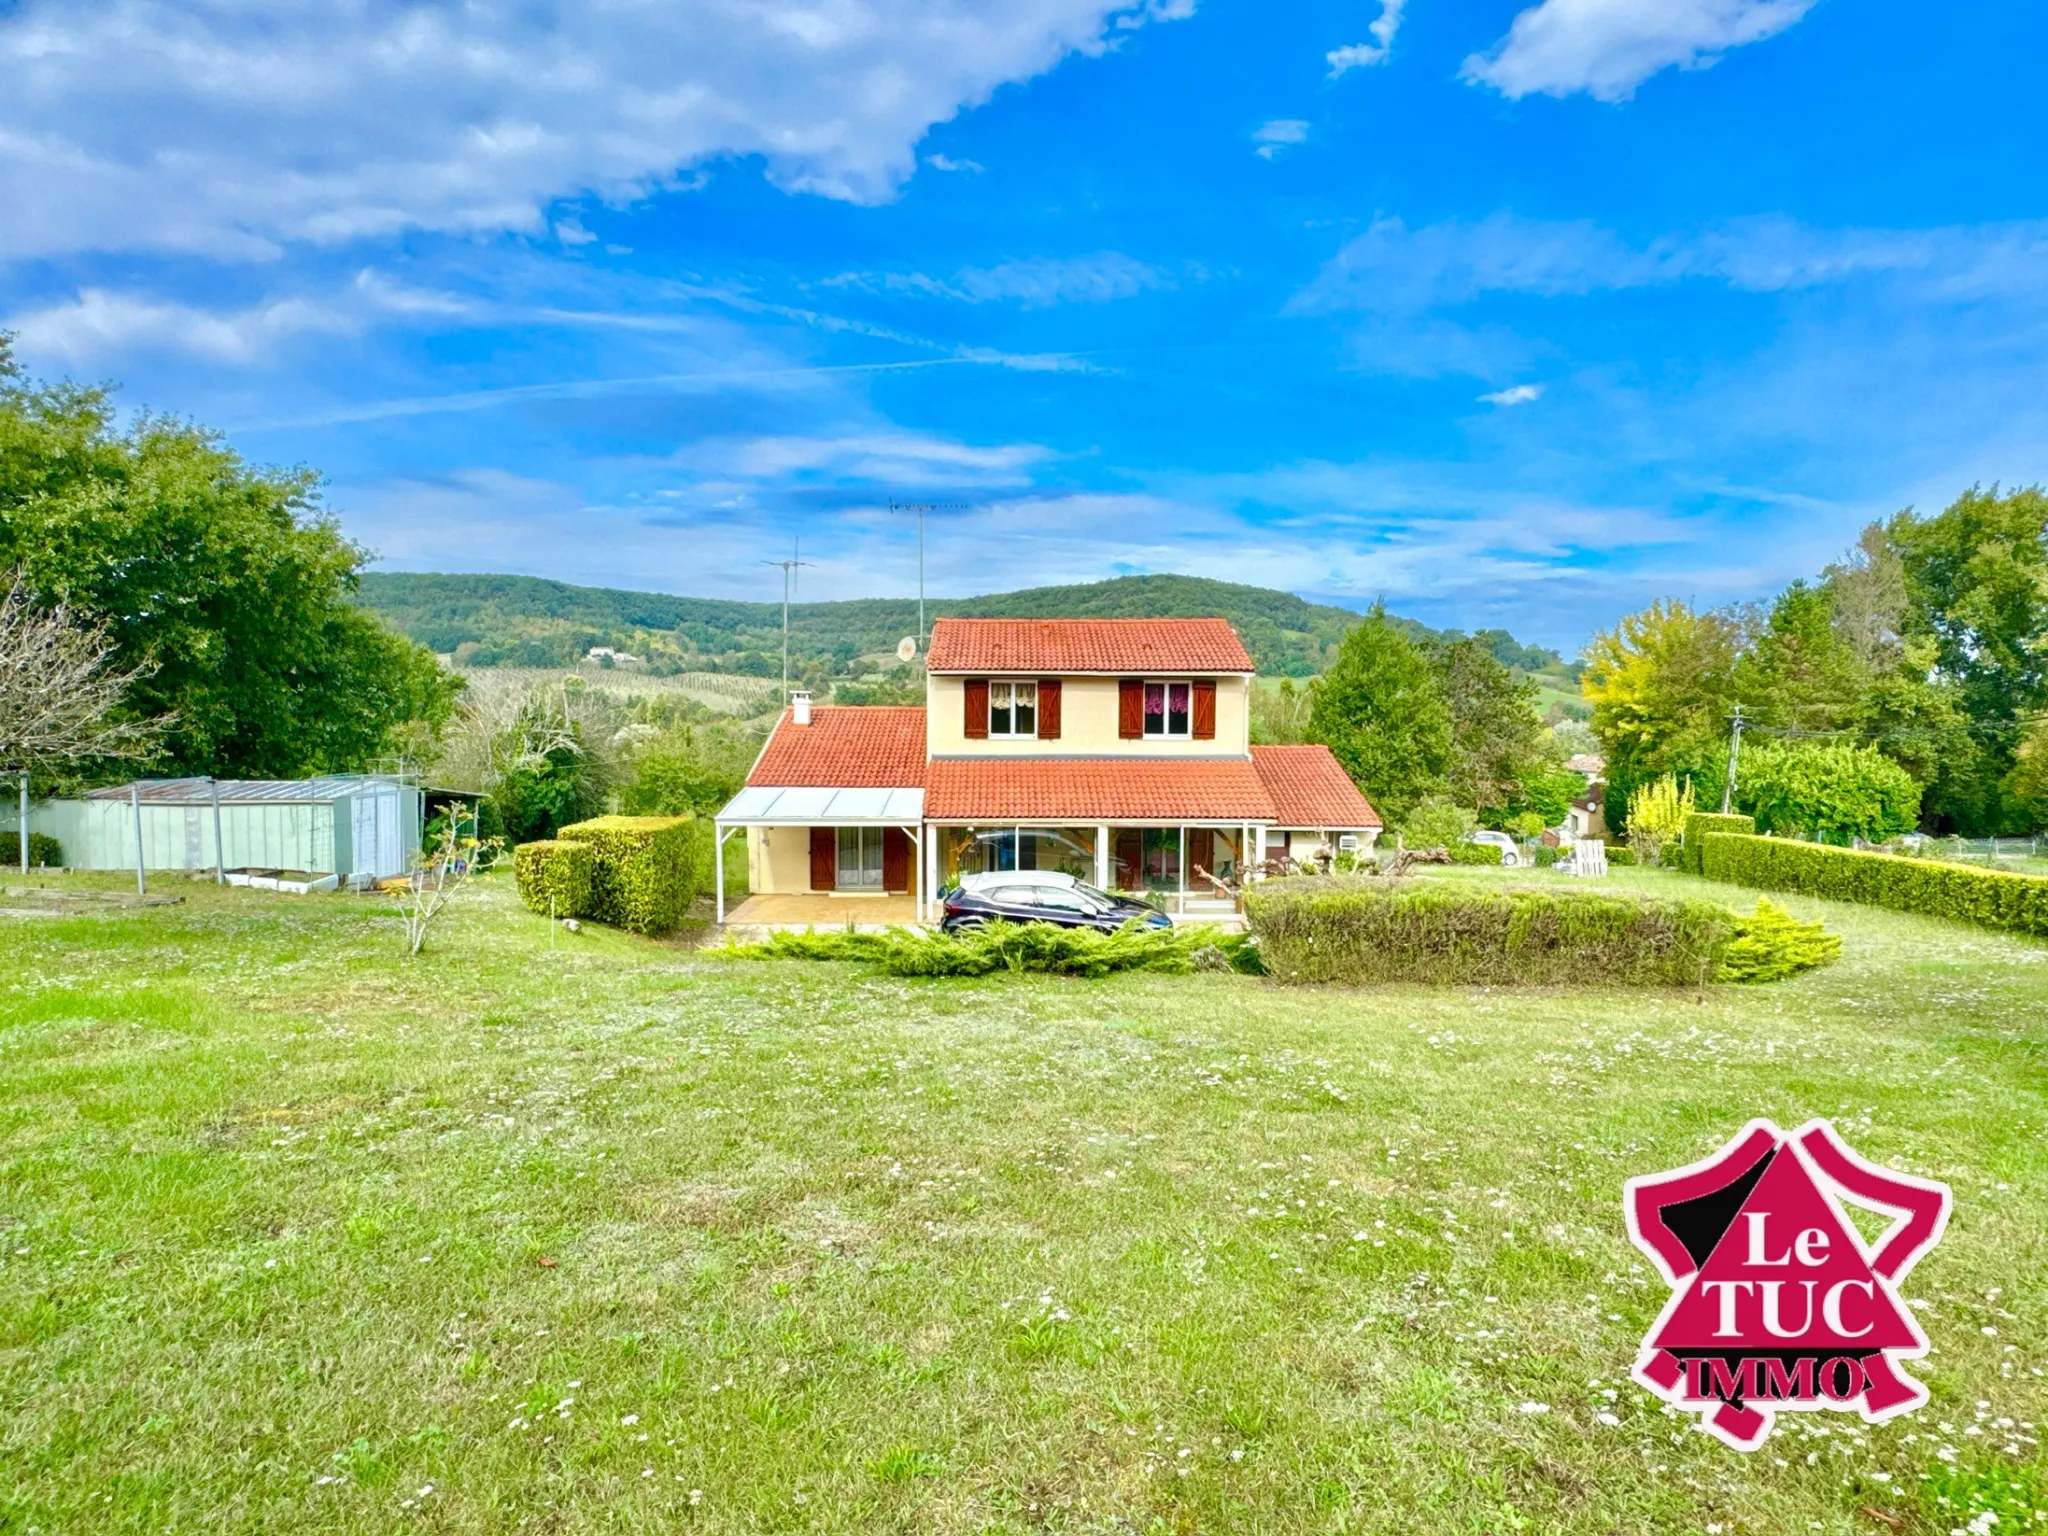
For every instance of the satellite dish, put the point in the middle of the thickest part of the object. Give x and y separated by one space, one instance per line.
906 648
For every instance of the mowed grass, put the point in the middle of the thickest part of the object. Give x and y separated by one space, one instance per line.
620 1236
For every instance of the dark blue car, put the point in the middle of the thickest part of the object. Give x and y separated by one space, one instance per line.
1041 896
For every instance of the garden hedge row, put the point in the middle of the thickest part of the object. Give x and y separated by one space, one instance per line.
1475 853
1617 853
1697 827
1990 897
644 875
42 849
555 877
1363 931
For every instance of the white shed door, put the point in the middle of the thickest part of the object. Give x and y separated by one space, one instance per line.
377 849
363 841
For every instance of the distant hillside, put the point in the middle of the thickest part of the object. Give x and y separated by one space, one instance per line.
526 621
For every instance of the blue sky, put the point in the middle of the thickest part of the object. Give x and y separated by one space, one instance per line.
1510 313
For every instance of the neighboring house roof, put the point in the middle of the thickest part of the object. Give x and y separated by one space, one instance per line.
1589 803
1095 789
846 746
1309 788
1590 763
1055 646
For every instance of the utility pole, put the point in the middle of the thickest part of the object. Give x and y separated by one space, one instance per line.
920 508
789 569
1734 752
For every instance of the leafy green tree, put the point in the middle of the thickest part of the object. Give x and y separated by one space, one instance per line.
1800 671
689 769
1380 712
1545 792
1496 731
1437 823
1662 687
225 581
1826 791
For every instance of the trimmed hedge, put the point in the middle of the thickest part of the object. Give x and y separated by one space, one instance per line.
1363 931
1046 948
555 876
1991 897
42 849
1620 856
644 875
1697 826
1476 853
1617 853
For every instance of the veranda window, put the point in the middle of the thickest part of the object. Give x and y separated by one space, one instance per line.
860 859
1168 711
1013 709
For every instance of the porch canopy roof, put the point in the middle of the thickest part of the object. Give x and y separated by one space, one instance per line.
822 805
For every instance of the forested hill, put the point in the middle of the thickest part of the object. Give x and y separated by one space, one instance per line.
527 621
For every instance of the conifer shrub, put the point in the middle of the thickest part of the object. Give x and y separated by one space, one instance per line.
644 869
1044 948
1771 944
555 877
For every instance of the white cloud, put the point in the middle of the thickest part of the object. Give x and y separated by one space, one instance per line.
1035 282
1277 135
1363 55
233 127
1514 394
879 455
1607 48
948 163
98 322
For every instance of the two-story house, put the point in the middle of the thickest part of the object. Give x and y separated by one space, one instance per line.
1116 750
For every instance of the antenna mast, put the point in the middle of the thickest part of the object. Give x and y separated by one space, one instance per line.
789 569
920 508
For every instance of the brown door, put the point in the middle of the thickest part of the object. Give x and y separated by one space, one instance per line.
895 859
824 859
1201 850
1130 859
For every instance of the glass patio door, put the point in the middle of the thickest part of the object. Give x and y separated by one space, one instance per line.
860 859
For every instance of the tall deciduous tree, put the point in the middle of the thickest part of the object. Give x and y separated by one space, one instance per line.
1381 714
227 580
1496 732
1662 685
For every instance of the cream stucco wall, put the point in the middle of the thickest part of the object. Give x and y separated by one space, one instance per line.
1088 721
778 860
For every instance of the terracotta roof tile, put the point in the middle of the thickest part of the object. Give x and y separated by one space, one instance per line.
1095 789
1055 646
1309 788
846 746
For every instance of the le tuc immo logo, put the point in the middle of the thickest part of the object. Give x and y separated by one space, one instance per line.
1777 1302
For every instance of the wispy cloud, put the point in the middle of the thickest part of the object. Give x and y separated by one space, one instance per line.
948 163
1514 394
1281 133
1364 55
1035 282
99 322
1607 48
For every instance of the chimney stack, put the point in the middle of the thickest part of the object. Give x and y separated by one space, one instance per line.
800 707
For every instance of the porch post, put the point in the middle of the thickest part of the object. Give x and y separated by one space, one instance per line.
1102 856
917 842
718 868
929 856
1182 871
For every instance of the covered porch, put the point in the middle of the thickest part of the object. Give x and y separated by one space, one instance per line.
824 856
1176 865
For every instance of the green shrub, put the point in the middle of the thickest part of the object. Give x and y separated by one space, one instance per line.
1476 853
1046 948
1771 944
555 876
1990 897
1619 854
644 874
1827 791
42 849
1698 825
1437 824
1545 857
1444 931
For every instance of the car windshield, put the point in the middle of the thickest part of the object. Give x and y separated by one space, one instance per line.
1101 898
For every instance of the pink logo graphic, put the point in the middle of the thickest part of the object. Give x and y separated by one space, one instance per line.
1777 1301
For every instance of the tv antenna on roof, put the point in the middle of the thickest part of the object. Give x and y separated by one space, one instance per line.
789 569
920 508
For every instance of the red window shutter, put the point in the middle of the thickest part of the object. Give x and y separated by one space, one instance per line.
895 859
1049 709
1130 708
976 725
1205 709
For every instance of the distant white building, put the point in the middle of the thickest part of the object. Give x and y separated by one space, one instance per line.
616 658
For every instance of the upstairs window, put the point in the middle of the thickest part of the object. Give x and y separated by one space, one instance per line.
1013 709
1169 710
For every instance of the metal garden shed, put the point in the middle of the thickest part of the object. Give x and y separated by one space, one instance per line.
356 826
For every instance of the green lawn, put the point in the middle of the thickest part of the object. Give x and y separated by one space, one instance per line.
619 1236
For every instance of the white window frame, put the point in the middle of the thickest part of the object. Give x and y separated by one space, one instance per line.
1166 733
1010 686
